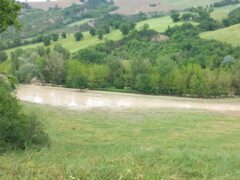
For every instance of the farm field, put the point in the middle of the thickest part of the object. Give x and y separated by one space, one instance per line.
222 12
45 5
159 24
229 35
72 45
130 144
136 6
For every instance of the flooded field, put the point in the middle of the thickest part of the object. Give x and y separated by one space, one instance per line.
75 99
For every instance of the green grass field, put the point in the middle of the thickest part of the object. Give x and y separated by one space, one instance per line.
72 45
159 24
78 23
130 144
229 35
222 12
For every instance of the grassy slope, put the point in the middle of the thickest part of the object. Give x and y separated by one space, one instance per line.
71 44
229 35
222 12
145 144
159 24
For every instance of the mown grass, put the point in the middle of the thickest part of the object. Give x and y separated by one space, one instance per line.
130 144
159 24
72 45
229 35
222 12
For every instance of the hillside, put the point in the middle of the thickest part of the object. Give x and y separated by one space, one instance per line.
45 5
222 12
158 24
136 6
229 35
72 45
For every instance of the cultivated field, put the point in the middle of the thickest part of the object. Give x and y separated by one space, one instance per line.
130 144
229 35
45 5
159 24
136 6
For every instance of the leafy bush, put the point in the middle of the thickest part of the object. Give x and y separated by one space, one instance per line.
17 129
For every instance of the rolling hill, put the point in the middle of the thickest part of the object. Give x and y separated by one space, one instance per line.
222 12
136 6
229 35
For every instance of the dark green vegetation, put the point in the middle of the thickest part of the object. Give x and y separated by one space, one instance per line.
130 144
9 14
18 130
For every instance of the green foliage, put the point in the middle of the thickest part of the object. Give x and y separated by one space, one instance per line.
78 36
47 41
64 35
79 81
125 28
9 11
175 16
92 31
100 34
55 37
18 130
3 56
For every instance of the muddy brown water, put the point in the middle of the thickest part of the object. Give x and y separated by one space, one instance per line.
75 99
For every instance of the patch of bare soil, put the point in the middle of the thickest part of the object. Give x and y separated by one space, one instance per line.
137 6
75 99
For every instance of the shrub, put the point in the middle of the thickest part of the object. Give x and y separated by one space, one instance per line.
3 56
78 36
17 129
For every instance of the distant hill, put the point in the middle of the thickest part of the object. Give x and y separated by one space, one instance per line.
46 4
136 6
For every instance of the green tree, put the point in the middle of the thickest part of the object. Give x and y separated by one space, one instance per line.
92 31
78 36
3 56
54 68
80 82
64 35
175 16
100 34
124 28
55 37
47 41
9 11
